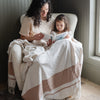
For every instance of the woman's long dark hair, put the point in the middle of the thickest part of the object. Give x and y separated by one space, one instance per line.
35 9
63 18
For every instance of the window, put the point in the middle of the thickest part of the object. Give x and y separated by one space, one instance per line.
98 28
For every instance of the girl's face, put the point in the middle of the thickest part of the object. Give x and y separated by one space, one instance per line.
44 11
60 25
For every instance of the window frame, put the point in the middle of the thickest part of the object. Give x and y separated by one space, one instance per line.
97 28
90 50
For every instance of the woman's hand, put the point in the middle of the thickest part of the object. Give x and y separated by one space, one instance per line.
38 36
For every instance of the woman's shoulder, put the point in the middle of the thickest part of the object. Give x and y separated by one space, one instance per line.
27 19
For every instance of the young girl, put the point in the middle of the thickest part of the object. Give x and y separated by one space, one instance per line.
61 29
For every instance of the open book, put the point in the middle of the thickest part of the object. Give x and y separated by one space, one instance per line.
54 36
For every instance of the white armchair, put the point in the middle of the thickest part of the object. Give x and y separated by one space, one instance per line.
71 17
16 50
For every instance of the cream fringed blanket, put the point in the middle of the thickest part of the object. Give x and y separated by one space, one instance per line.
54 73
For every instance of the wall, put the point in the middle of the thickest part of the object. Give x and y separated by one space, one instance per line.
10 12
91 69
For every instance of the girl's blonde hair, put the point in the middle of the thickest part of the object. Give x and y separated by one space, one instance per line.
63 18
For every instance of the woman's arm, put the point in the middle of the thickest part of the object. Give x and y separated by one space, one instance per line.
31 38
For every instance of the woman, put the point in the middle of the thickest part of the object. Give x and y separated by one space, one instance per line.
46 76
37 20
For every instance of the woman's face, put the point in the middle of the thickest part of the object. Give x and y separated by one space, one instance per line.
60 26
44 11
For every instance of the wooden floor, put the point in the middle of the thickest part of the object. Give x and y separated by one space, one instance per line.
4 95
7 96
89 91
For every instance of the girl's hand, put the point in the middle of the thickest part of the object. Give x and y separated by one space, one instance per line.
67 36
49 42
38 36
